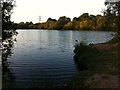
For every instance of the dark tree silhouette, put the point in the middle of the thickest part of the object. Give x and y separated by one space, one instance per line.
7 41
7 25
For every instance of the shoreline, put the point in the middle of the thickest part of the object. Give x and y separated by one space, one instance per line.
102 62
65 29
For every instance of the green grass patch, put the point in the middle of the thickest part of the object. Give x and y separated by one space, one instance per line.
90 61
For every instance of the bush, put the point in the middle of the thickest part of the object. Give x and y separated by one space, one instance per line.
84 54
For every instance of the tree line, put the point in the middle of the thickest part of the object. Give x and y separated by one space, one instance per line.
108 21
83 22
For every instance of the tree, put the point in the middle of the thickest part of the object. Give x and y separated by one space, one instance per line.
75 22
68 26
7 34
100 22
7 7
116 10
113 9
62 21
84 25
51 23
84 16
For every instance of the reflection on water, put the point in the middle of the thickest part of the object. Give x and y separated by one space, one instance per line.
45 58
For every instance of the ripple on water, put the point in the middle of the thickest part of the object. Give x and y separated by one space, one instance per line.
45 58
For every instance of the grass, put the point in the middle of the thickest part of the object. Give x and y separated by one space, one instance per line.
91 60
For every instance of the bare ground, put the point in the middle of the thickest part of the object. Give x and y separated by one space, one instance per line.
102 81
105 80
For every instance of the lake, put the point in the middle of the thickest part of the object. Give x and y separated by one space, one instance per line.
44 58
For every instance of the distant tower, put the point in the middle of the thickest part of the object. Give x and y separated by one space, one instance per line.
39 19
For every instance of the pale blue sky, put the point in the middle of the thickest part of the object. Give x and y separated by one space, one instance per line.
30 10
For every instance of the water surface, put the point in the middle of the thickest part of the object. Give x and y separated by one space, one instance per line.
44 58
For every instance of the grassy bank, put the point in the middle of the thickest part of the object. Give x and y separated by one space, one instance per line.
97 64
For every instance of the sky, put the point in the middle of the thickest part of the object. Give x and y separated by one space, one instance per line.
30 10
112 0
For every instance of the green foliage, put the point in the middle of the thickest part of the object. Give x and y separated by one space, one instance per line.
62 21
81 51
75 23
112 14
7 26
84 16
91 61
109 21
6 14
95 59
50 24
100 22
68 26
27 25
7 33
84 25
